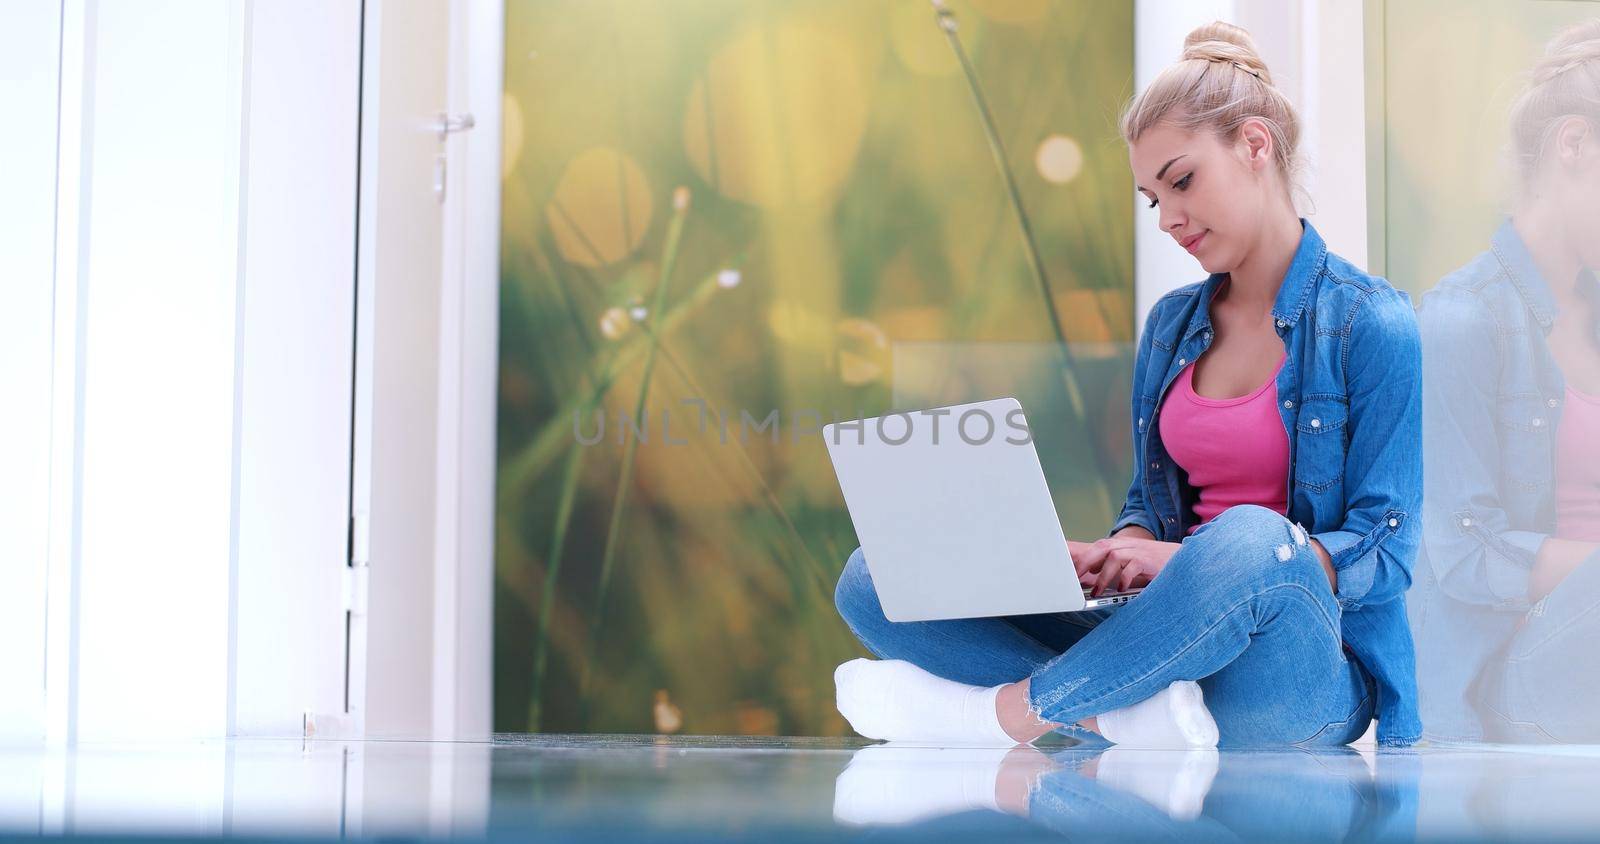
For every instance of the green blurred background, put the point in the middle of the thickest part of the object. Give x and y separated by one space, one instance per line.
799 201
1450 70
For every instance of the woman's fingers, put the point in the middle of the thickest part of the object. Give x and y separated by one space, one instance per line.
1086 556
1079 551
1110 569
1111 562
1123 569
1088 575
1131 574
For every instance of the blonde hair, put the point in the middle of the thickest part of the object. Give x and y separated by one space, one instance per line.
1565 83
1217 84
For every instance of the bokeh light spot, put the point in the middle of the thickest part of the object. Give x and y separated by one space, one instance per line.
601 208
863 351
613 323
1059 159
778 116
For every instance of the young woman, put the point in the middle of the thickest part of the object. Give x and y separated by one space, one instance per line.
1504 609
1276 424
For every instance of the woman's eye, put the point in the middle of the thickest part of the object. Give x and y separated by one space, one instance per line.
1153 203
1183 183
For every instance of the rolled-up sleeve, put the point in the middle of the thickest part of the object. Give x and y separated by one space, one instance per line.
1476 554
1374 548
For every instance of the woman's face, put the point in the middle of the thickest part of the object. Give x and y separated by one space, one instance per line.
1212 194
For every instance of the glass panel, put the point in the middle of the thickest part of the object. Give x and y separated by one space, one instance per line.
784 194
1492 222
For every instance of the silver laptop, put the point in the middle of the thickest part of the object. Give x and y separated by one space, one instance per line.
954 516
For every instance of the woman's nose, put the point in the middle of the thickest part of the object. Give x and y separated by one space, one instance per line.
1171 220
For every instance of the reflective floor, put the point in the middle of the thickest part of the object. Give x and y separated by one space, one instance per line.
604 788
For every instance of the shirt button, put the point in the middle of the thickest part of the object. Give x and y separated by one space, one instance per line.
1552 403
1182 361
1537 421
1316 423
1155 464
1171 520
1282 324
1394 523
1141 421
1288 403
1466 523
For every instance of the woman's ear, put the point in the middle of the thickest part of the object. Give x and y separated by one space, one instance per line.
1255 143
1576 142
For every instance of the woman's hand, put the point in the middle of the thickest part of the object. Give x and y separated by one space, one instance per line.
1121 561
1555 559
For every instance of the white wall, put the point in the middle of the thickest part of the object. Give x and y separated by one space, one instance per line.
179 334
183 285
1314 49
468 381
30 44
295 356
426 360
1333 99
397 385
157 251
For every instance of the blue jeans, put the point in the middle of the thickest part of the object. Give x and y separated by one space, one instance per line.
1542 684
1260 634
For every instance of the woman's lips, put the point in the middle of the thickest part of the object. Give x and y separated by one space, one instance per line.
1194 245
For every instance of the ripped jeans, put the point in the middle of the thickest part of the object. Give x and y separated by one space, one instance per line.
1244 608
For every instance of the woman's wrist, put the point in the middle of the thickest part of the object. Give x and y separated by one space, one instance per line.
1555 559
1135 532
1327 564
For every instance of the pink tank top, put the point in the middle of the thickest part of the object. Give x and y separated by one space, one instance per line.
1578 468
1234 450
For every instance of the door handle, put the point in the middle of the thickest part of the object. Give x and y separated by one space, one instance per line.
448 123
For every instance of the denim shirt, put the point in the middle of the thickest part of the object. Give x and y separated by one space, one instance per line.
1350 397
1491 410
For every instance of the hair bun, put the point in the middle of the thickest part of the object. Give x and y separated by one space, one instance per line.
1577 35
1575 46
1220 41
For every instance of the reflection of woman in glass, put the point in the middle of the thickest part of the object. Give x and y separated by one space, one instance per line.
1505 606
1276 425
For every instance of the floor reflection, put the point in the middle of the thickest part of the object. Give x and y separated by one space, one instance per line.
610 787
